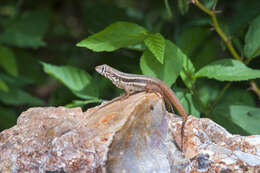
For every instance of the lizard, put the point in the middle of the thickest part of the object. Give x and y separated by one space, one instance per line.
132 83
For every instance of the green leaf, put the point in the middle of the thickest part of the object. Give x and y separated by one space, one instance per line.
137 47
115 36
237 27
245 117
192 38
207 90
252 39
167 72
188 72
30 67
7 118
74 78
223 112
80 103
228 70
27 29
8 61
156 44
16 96
222 117
3 86
192 41
236 96
15 81
206 54
188 103
90 92
237 43
60 96
183 6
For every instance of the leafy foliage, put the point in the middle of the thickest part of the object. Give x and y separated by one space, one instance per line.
8 61
115 36
252 45
73 78
228 70
3 86
183 6
26 30
16 96
169 40
172 64
188 72
156 44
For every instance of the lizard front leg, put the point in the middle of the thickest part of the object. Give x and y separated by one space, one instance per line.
129 93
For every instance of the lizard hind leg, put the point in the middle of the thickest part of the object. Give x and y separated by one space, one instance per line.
152 88
168 103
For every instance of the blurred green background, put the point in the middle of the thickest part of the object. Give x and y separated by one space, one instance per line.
47 31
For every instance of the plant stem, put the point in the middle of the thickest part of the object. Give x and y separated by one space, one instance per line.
230 47
202 7
255 88
194 91
196 95
168 8
218 29
218 98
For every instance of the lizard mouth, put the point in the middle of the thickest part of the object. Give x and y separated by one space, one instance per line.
102 69
99 69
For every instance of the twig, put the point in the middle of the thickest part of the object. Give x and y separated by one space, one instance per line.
255 88
218 98
218 29
230 47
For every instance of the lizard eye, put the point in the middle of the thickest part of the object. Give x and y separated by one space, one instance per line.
103 69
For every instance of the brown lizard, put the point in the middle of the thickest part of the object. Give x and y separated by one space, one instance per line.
132 83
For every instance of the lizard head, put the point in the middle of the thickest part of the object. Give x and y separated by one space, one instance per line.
108 72
101 69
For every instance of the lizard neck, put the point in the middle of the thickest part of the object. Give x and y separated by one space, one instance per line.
128 81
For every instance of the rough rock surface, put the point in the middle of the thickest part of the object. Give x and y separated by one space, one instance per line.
210 148
132 135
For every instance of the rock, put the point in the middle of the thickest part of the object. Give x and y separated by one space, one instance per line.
210 148
136 134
